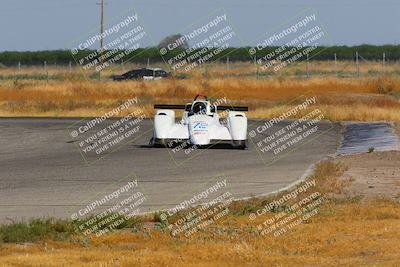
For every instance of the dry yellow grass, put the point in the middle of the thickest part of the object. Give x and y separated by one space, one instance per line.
347 99
343 235
367 98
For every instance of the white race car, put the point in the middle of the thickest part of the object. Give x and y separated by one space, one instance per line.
200 125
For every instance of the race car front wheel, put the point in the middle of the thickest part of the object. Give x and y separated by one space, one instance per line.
158 142
240 144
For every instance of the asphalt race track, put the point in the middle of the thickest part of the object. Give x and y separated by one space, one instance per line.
43 171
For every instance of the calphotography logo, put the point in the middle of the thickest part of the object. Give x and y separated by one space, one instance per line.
210 39
298 40
301 122
291 210
200 211
119 42
112 211
95 138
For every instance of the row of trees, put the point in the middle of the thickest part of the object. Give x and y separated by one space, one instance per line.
142 55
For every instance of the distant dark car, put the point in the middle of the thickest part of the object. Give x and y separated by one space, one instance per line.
145 73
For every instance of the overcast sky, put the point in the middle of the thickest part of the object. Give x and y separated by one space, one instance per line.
56 24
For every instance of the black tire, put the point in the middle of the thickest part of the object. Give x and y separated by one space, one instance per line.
240 144
158 142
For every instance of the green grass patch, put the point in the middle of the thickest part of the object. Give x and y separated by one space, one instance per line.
35 230
61 230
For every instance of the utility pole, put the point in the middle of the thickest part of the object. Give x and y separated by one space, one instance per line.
358 65
384 62
256 65
45 69
336 67
101 33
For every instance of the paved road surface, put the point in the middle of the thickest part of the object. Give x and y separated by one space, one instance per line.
44 173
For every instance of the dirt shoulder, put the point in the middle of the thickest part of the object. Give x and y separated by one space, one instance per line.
372 175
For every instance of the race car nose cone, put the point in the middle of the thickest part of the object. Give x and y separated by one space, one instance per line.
199 134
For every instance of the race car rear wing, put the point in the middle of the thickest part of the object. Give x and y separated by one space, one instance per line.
232 108
167 106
